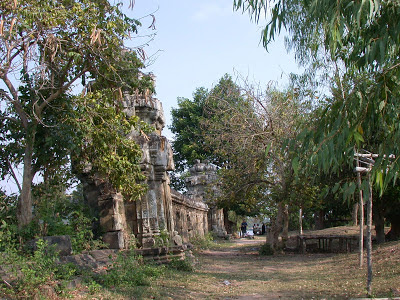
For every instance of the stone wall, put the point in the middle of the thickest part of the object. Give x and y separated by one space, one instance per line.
190 215
109 208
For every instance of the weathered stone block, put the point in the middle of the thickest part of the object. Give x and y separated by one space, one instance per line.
177 239
61 243
114 239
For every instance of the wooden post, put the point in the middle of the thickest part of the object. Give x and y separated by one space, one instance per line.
361 240
369 237
300 221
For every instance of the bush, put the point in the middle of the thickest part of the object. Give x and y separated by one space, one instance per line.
162 239
266 249
202 242
29 272
128 270
181 265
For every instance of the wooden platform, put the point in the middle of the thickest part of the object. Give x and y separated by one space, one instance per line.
327 243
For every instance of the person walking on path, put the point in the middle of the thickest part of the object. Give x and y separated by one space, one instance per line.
243 228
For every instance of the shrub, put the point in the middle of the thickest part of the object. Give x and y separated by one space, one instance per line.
29 272
128 270
202 242
181 265
162 239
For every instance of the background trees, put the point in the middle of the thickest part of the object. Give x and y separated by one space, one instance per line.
362 109
189 126
361 39
247 132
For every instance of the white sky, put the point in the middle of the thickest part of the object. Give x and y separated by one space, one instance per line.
200 41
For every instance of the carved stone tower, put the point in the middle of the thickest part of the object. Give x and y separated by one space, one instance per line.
157 210
198 184
151 214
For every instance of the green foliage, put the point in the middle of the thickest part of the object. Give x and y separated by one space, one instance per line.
56 213
361 33
186 126
162 239
353 46
254 134
266 249
93 287
102 143
8 223
31 271
53 45
189 125
181 265
202 242
129 269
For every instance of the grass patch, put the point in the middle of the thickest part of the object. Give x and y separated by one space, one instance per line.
230 273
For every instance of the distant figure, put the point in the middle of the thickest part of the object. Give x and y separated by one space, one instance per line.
254 229
243 228
263 229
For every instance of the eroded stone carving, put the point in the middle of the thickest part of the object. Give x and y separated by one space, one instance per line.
202 175
190 216
158 210
154 209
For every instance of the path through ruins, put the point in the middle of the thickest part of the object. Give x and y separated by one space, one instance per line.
235 270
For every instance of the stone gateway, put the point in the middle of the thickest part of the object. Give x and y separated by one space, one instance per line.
160 211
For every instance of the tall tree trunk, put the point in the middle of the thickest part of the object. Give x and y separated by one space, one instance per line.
228 223
285 229
24 213
276 229
394 233
379 220
355 213
319 220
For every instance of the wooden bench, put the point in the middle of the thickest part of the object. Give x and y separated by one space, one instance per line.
327 243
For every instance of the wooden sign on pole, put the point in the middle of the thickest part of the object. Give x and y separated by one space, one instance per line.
364 164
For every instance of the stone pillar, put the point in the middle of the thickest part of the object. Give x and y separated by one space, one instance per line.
154 209
108 205
153 212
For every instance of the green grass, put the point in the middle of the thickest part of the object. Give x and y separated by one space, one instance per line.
230 270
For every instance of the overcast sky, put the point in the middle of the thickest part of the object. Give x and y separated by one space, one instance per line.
197 42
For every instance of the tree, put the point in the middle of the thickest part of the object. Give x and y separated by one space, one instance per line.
46 47
254 134
364 37
188 125
188 143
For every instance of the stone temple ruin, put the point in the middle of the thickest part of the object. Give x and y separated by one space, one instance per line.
198 184
160 210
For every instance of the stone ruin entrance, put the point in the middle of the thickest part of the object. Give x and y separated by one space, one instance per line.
160 210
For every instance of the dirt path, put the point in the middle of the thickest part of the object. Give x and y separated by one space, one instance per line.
235 270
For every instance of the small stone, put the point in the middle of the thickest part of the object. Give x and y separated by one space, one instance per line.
177 240
226 282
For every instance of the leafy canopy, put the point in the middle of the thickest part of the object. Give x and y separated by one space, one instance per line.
47 48
361 40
